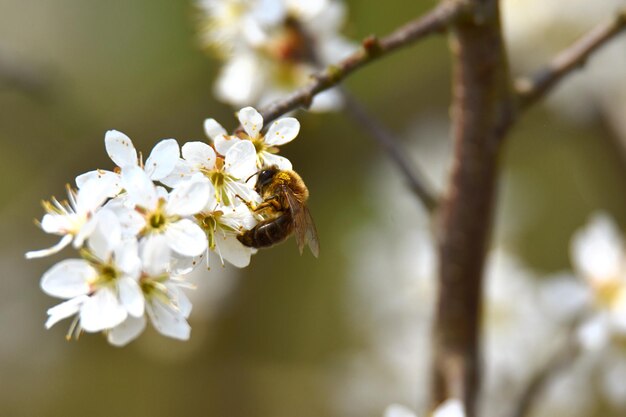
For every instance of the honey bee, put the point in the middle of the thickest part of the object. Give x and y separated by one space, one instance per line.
282 211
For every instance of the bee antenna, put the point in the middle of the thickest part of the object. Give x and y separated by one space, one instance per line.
256 173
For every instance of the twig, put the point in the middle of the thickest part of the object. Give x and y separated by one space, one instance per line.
530 90
14 74
372 48
481 108
388 142
558 362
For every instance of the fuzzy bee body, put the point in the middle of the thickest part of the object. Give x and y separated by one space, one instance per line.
283 211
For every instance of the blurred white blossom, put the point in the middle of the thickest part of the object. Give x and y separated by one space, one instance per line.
271 47
449 408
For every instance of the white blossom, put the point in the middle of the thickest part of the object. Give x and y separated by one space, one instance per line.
166 305
102 287
222 224
168 215
280 132
122 152
273 46
73 219
228 175
599 255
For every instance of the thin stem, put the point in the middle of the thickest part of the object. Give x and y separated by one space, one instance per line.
530 90
17 75
560 360
436 21
388 142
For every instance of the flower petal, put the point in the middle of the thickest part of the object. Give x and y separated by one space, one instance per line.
233 251
106 235
105 178
65 240
213 129
397 410
67 279
155 254
167 321
162 159
597 249
251 121
181 172
199 154
64 310
120 149
282 131
101 311
281 162
239 81
126 331
240 160
140 188
189 197
224 143
131 296
186 237
179 299
450 408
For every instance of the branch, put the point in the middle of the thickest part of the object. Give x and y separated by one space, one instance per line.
481 109
388 142
530 90
17 75
435 21
561 359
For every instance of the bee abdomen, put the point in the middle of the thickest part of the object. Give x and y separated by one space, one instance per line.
268 233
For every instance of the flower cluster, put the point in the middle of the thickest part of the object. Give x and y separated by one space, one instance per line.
140 228
599 257
270 47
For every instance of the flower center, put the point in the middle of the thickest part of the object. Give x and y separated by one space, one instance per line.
608 293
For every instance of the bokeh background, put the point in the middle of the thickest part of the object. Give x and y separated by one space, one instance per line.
289 335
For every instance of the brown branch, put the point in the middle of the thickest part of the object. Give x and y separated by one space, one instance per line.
530 90
414 178
435 21
481 111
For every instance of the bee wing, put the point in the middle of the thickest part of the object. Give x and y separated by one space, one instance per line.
304 228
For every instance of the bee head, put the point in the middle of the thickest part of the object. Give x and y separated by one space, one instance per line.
265 177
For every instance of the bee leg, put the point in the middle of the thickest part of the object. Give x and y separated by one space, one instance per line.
251 206
270 205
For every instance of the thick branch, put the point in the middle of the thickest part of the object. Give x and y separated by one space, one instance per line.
414 178
372 48
481 111
530 90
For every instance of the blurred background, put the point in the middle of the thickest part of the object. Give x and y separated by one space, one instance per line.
342 335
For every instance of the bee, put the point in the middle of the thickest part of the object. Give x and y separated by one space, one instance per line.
283 211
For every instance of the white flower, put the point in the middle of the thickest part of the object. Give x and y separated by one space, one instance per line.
165 303
271 47
281 131
122 152
167 215
72 219
227 174
102 287
449 408
222 224
599 254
